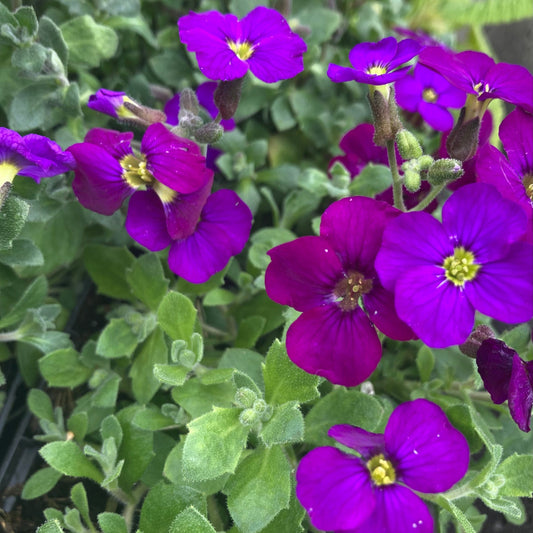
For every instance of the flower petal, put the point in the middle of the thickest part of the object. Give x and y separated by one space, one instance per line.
334 488
511 83
340 346
303 273
494 361
520 393
116 143
436 116
429 454
364 442
516 133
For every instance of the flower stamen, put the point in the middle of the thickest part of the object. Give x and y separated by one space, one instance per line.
381 470
430 95
349 289
135 172
243 50
460 267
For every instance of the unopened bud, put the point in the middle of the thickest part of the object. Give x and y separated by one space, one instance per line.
424 162
412 180
209 133
244 397
472 344
462 142
5 188
444 170
387 122
260 406
249 417
143 115
408 145
189 101
227 96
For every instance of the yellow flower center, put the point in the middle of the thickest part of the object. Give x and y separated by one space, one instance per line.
381 470
243 50
7 172
377 70
135 172
166 194
429 95
123 111
350 288
528 185
460 267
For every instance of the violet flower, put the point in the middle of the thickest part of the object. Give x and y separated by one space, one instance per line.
373 492
428 93
512 175
108 171
33 156
226 47
376 63
207 230
442 273
111 103
507 377
331 279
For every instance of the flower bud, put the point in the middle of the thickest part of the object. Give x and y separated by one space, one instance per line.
142 115
412 180
462 142
387 122
189 101
444 170
4 192
424 162
244 397
472 344
209 133
408 145
249 417
227 96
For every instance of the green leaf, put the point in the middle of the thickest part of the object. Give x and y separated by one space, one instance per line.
13 214
214 444
89 43
288 520
250 329
50 526
284 381
171 374
147 280
517 338
246 362
218 296
456 513
516 470
177 315
298 205
242 7
62 368
484 12
286 425
265 476
111 428
107 266
322 22
22 253
198 399
137 25
163 502
265 239
152 419
372 180
116 340
40 483
79 499
27 19
112 523
40 405
50 35
67 458
425 361
78 423
282 115
342 407
191 521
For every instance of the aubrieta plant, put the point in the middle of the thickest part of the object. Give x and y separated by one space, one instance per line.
265 267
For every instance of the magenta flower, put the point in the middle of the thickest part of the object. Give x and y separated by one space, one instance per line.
331 279
376 63
226 47
207 230
33 156
507 377
111 103
442 273
372 492
512 175
428 93
477 74
108 171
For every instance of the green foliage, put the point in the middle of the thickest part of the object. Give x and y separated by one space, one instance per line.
176 315
191 521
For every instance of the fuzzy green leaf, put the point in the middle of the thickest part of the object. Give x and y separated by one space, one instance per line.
40 483
286 425
147 280
62 368
191 521
176 315
517 470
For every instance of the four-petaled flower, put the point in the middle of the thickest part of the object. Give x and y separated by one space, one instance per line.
442 273
226 47
376 63
332 280
371 493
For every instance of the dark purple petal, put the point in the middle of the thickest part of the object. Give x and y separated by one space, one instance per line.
364 442
98 182
516 133
334 488
146 222
479 219
222 232
174 161
397 510
503 289
341 346
429 454
183 212
359 145
172 110
354 227
114 142
520 393
379 304
494 363
409 241
511 83
106 101
303 273
437 311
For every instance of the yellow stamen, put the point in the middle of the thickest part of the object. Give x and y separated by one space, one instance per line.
243 50
377 70
166 194
8 171
460 267
430 95
135 172
381 470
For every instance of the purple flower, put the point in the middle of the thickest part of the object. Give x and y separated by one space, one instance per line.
226 47
108 171
206 230
428 93
477 74
376 63
34 156
442 273
371 492
111 103
507 377
512 175
331 279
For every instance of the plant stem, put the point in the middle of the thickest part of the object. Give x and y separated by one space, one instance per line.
435 191
397 188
